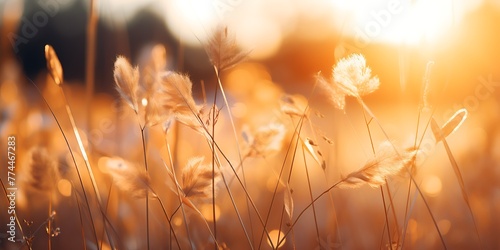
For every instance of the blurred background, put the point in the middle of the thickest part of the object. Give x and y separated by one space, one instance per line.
290 41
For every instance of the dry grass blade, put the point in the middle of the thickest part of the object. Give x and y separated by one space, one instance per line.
450 126
387 163
454 123
127 177
309 144
288 201
223 50
127 81
54 65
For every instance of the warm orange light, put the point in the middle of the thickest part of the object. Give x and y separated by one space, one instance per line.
274 237
207 211
432 185
64 187
398 21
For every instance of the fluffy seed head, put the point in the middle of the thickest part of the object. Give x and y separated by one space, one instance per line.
127 81
197 179
387 163
223 50
53 65
266 140
41 172
127 177
175 96
351 77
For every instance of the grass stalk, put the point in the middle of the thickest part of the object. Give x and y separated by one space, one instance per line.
297 128
461 182
49 223
236 140
73 159
311 195
81 221
86 160
367 109
178 191
144 152
214 115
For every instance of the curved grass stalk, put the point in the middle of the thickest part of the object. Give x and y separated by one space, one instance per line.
367 109
86 161
144 152
297 128
178 191
73 158
306 208
367 124
233 127
329 195
215 145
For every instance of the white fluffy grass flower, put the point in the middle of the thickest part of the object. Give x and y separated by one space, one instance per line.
351 77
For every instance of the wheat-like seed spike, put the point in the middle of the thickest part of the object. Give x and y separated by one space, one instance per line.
42 170
127 81
54 65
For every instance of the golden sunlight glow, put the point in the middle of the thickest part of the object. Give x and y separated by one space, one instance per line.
206 210
398 21
144 102
190 20
274 237
432 185
101 164
64 187
262 36
424 22
113 11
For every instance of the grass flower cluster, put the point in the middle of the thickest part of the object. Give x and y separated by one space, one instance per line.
179 173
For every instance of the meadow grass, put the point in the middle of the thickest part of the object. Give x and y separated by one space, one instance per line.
201 176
